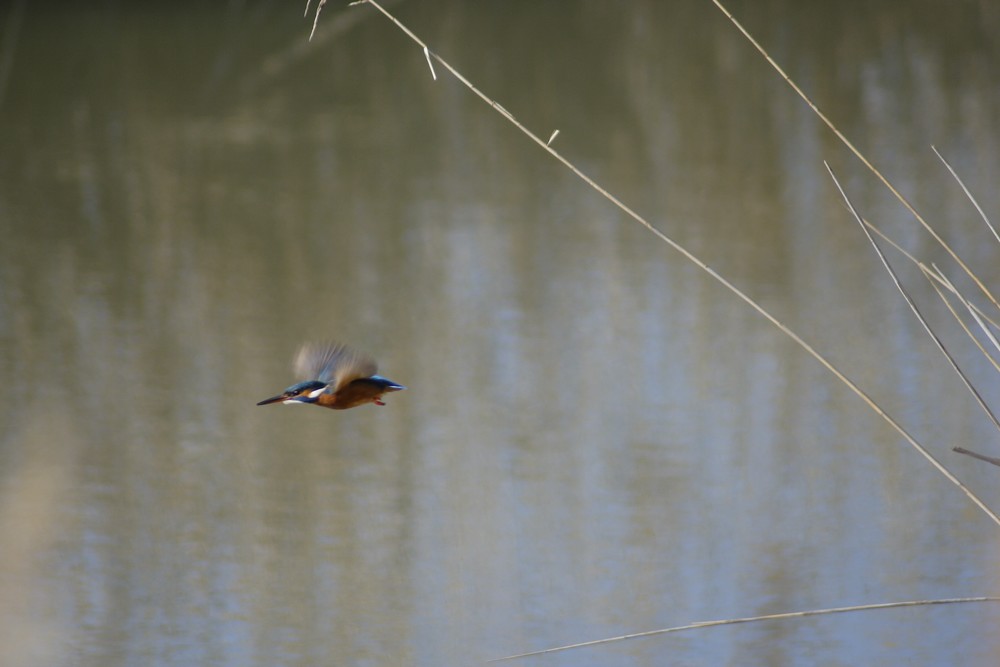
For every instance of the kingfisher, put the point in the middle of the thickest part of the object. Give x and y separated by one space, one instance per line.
336 377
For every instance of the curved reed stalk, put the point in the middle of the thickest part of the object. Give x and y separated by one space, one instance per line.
547 147
751 619
858 154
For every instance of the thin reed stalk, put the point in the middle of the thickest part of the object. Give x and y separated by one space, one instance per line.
864 225
942 285
972 311
982 457
968 193
958 318
930 273
547 147
869 230
858 154
930 332
751 619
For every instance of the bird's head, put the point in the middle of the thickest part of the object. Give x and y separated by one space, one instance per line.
303 392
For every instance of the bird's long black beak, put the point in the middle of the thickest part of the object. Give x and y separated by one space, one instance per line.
273 399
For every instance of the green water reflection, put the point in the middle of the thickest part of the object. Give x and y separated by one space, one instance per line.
597 439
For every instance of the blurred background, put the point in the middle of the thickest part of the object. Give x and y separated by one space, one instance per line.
597 438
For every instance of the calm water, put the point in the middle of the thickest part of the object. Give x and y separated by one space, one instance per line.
597 439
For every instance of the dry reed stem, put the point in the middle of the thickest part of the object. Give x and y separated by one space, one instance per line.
928 272
968 306
932 275
319 8
961 322
967 193
982 457
860 393
940 345
753 619
430 63
858 154
546 145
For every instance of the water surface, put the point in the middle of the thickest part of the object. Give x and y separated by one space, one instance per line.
597 438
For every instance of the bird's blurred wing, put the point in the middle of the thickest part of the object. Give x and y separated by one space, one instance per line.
333 363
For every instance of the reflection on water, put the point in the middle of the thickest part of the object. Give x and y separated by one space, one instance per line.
597 438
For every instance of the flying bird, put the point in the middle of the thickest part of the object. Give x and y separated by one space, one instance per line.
335 376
